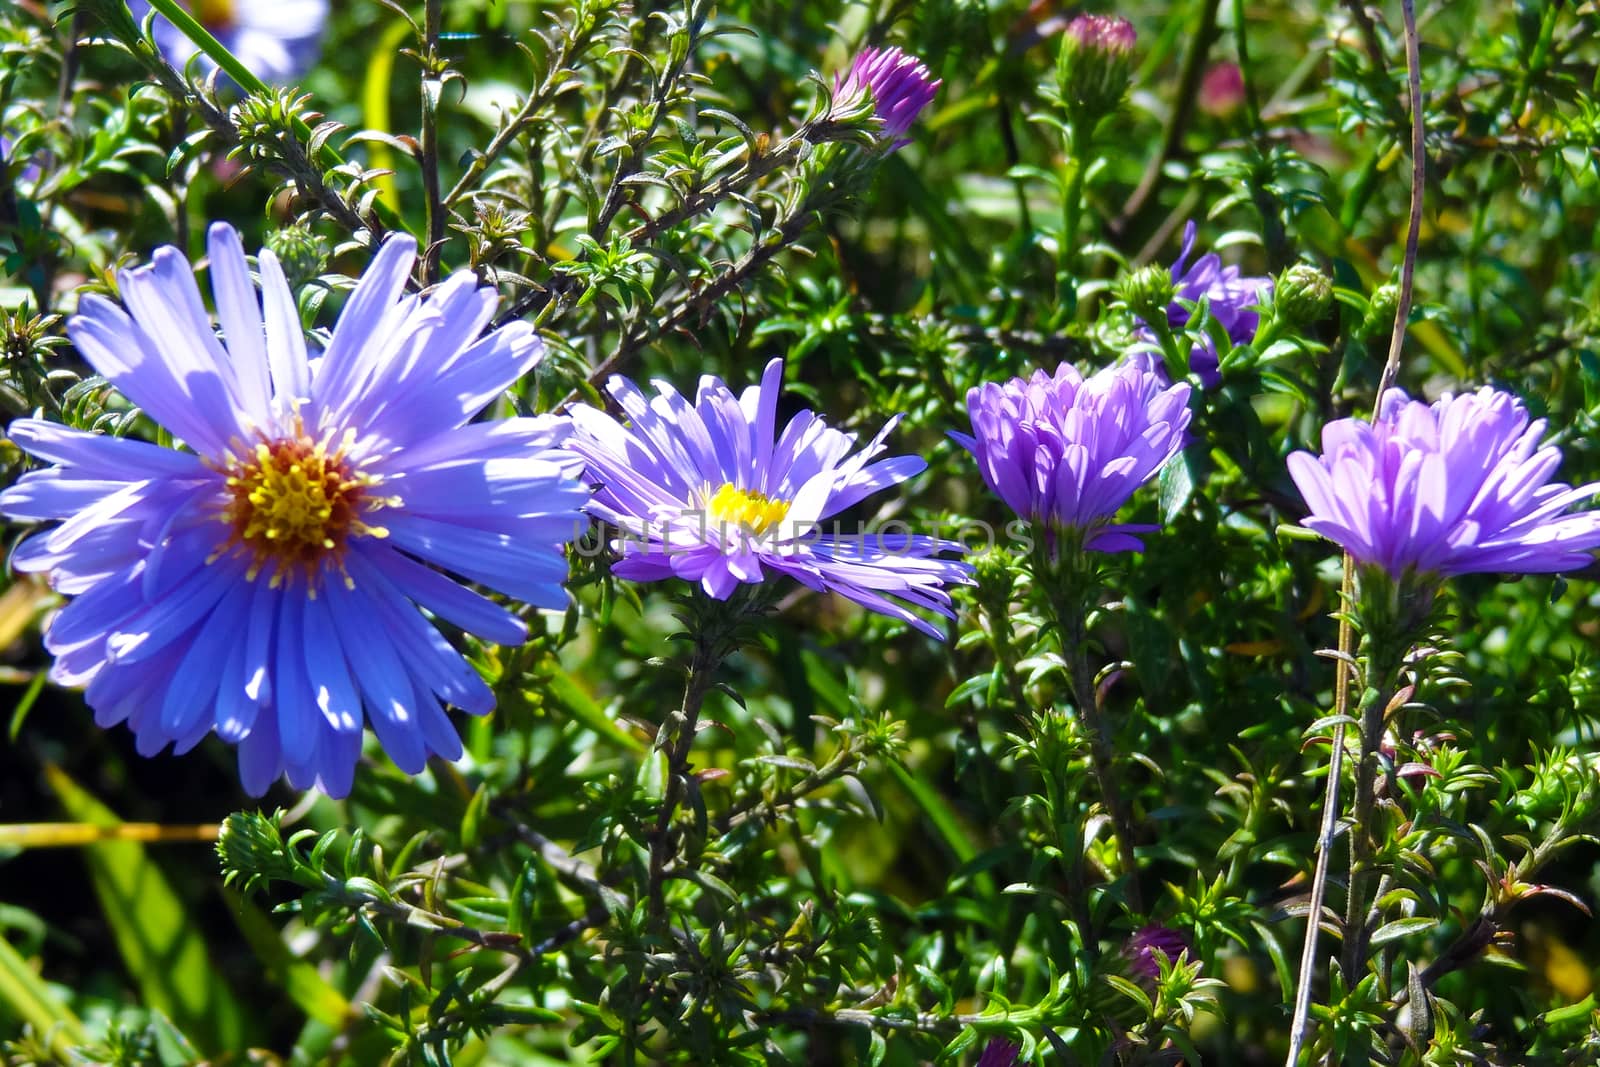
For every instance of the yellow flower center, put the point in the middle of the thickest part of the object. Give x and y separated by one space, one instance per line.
293 503
213 14
753 511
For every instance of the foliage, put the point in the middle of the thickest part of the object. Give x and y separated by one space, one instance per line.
785 830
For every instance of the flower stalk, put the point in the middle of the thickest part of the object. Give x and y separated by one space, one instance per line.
1392 614
715 624
1067 582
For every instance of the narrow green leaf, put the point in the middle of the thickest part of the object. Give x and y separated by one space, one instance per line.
944 822
588 712
164 952
1401 928
26 996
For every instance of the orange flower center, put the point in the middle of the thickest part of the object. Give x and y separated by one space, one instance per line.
294 504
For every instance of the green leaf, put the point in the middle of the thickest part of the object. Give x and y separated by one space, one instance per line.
25 995
163 951
589 713
1402 928
1177 485
944 821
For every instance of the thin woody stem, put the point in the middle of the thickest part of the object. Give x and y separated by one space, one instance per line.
682 725
1102 758
1300 1028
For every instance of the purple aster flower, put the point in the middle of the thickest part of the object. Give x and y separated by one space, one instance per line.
897 86
710 492
1230 296
999 1053
1454 487
265 582
1140 950
277 41
1068 451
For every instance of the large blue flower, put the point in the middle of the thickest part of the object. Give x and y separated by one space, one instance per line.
265 581
711 493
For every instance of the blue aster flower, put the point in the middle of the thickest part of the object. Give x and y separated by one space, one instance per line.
1068 452
277 41
264 582
710 492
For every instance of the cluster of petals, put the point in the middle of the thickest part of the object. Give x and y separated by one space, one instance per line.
898 85
1230 296
277 41
1106 33
1458 486
1068 451
188 617
1145 944
711 492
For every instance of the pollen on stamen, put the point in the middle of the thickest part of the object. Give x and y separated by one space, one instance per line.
294 504
746 508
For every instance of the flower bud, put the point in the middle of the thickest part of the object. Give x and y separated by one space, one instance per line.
1095 64
999 1053
885 89
252 850
1141 948
302 252
1222 89
1148 291
1381 310
1303 295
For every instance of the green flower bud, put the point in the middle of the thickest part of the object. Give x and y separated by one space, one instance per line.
1303 295
252 850
1095 65
302 252
1148 291
1584 685
1379 320
995 571
25 337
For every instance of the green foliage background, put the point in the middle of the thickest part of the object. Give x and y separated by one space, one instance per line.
875 849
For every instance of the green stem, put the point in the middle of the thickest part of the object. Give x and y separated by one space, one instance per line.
1082 137
682 726
1383 669
1067 593
229 64
1182 111
715 638
433 206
